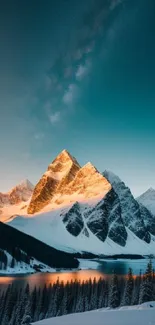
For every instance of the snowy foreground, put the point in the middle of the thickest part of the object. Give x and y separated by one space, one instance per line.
135 315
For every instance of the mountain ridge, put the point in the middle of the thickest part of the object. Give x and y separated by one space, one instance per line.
76 208
64 176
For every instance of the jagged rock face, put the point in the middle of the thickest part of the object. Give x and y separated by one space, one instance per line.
147 199
65 177
20 193
130 209
97 222
116 228
58 175
42 194
89 182
4 199
148 218
73 220
105 220
85 232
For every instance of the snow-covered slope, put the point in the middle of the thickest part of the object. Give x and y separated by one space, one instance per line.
51 228
148 200
20 253
141 314
15 266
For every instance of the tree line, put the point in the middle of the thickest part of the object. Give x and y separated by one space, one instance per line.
16 256
23 306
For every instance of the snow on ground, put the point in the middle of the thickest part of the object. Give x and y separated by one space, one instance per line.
49 228
23 268
134 315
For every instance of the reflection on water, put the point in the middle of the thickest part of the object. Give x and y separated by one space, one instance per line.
104 269
40 279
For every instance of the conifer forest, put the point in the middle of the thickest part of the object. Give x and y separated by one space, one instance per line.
24 306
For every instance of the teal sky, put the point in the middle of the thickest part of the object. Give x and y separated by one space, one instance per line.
77 75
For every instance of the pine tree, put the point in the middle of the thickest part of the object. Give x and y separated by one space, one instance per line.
136 290
2 306
23 300
94 301
6 314
128 291
37 308
94 296
114 294
64 304
80 305
86 304
19 309
27 313
146 288
33 303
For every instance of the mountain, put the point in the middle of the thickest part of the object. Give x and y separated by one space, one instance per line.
148 200
16 199
79 209
57 177
131 213
65 181
21 193
20 253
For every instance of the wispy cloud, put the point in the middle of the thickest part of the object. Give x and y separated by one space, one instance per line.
54 117
83 70
71 94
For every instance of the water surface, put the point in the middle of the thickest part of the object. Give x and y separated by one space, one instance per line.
93 269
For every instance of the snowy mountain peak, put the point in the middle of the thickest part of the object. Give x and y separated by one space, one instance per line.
112 178
148 200
18 194
151 189
89 182
90 166
134 217
64 157
65 182
25 184
54 181
149 193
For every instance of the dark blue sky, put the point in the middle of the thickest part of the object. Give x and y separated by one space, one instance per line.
78 75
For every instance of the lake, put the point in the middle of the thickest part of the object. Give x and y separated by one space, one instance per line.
99 268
